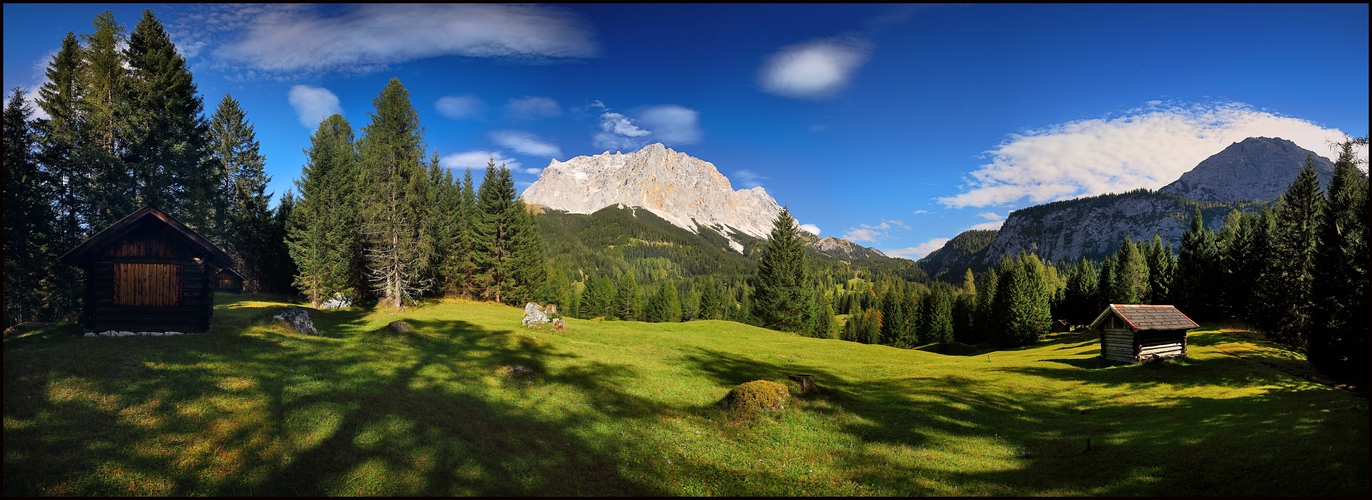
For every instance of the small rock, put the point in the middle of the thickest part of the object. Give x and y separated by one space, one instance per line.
533 315
400 327
90 334
558 324
338 301
299 319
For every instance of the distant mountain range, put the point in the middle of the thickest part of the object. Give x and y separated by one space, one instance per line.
682 190
1241 177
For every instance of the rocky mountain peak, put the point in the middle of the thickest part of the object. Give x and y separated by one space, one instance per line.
675 186
1257 168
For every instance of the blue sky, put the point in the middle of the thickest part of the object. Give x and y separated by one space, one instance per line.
893 126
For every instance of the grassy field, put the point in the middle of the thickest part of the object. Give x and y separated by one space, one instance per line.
625 408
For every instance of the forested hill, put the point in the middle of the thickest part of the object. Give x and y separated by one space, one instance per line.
958 254
616 239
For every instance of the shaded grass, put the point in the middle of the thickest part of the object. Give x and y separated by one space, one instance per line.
627 408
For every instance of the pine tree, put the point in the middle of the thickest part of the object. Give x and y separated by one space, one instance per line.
964 310
465 249
987 322
783 280
103 104
1289 278
1338 327
896 323
394 193
1161 266
1106 292
166 136
821 315
1083 301
528 270
1021 301
665 305
322 232
60 152
238 164
28 216
937 317
445 200
1131 274
1196 273
626 294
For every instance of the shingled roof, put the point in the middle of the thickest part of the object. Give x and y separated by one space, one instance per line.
1147 317
118 229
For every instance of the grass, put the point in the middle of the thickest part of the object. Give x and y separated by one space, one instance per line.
627 408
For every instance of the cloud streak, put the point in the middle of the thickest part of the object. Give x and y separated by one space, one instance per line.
525 143
366 38
459 107
817 69
873 233
532 108
919 251
313 104
748 178
813 229
1144 148
477 160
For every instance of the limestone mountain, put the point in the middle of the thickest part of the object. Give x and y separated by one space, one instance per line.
683 190
1257 168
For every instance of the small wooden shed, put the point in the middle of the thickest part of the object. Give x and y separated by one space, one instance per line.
148 272
1131 333
1060 325
228 280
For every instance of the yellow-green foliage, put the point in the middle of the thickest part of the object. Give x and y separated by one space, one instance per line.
750 399
472 403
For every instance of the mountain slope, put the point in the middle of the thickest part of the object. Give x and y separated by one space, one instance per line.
1257 168
947 263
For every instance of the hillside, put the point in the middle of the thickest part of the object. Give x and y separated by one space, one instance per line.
1257 168
627 408
958 254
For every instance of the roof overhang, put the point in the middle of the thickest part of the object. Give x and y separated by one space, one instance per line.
131 222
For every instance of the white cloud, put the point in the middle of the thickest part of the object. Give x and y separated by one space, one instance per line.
1145 148
313 104
873 233
919 251
525 143
365 38
459 107
813 229
672 124
814 70
477 159
748 178
922 212
990 216
618 132
993 225
532 108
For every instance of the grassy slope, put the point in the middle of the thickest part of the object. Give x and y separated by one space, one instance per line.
617 408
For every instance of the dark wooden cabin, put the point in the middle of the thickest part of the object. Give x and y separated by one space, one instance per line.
1060 325
148 273
1131 333
228 280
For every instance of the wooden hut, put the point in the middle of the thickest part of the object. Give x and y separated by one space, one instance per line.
1131 333
1060 325
148 272
228 280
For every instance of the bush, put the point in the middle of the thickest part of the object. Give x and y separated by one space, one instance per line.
750 399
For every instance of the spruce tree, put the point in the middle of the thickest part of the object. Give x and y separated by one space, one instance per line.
28 216
103 107
1339 324
896 325
821 315
238 164
1197 271
986 321
1083 302
937 315
1289 278
1161 266
1106 291
394 193
665 305
964 310
465 249
528 270
60 154
783 280
166 136
1132 274
626 294
322 232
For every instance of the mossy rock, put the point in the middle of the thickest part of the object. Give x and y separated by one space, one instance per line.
750 399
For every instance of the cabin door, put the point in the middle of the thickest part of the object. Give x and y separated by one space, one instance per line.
145 284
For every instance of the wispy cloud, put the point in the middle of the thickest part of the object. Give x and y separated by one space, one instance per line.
459 107
921 212
525 143
873 233
919 251
813 229
993 225
748 178
672 124
1143 148
477 159
990 216
816 69
366 38
313 104
532 108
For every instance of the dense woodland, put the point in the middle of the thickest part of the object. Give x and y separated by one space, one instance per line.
377 216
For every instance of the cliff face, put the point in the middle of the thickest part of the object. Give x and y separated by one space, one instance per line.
1257 168
681 189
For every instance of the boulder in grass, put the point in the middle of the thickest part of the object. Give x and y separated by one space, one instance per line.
534 315
299 319
399 327
750 399
338 301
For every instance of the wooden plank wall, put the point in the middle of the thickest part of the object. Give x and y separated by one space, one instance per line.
148 281
1118 345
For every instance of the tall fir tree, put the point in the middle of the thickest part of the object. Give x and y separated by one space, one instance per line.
1161 268
896 327
1197 271
322 231
822 325
626 297
529 271
1339 323
236 158
986 321
783 279
166 135
394 196
665 305
1083 302
103 107
1288 281
61 156
964 310
28 216
466 241
937 317
1131 275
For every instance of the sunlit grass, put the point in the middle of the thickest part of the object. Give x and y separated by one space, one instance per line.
627 408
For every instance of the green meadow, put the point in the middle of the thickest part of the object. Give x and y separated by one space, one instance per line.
471 403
